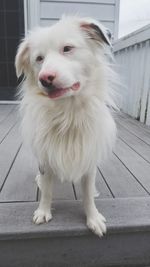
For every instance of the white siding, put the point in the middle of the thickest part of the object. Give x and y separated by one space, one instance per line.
132 54
46 12
56 9
46 22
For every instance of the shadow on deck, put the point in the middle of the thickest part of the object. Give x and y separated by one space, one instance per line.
123 184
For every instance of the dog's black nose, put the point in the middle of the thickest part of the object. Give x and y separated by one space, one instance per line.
46 78
50 78
48 86
45 83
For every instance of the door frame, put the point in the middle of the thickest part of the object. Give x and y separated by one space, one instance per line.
31 14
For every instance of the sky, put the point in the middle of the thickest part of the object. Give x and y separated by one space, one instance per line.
134 14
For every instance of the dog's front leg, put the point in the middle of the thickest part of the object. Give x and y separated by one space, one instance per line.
95 220
43 213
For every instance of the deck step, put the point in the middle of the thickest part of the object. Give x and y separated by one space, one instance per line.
66 241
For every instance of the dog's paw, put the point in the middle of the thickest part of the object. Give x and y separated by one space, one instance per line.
41 216
96 223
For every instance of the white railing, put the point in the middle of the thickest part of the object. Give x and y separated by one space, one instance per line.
132 54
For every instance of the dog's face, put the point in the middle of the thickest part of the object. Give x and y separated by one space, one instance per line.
60 59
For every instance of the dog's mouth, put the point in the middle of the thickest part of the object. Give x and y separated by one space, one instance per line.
54 92
57 92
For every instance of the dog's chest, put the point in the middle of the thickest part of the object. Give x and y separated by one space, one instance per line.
71 126
71 146
69 140
66 138
71 132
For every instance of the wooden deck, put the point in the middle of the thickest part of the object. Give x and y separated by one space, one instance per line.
123 184
126 174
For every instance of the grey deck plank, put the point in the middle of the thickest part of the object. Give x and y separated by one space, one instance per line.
120 180
134 142
134 162
101 188
20 184
8 150
114 250
5 110
136 129
8 124
132 121
123 214
63 191
127 242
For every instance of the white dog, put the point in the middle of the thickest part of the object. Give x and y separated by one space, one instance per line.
65 101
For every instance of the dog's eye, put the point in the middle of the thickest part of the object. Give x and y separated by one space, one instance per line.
39 59
67 48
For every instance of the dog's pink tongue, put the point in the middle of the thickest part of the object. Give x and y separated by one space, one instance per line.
61 91
57 93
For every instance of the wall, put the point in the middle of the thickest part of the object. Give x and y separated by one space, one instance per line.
46 12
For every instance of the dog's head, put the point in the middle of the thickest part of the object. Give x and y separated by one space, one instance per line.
60 59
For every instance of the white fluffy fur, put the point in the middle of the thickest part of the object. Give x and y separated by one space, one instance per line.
69 135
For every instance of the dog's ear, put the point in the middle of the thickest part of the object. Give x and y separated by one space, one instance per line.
96 31
22 58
